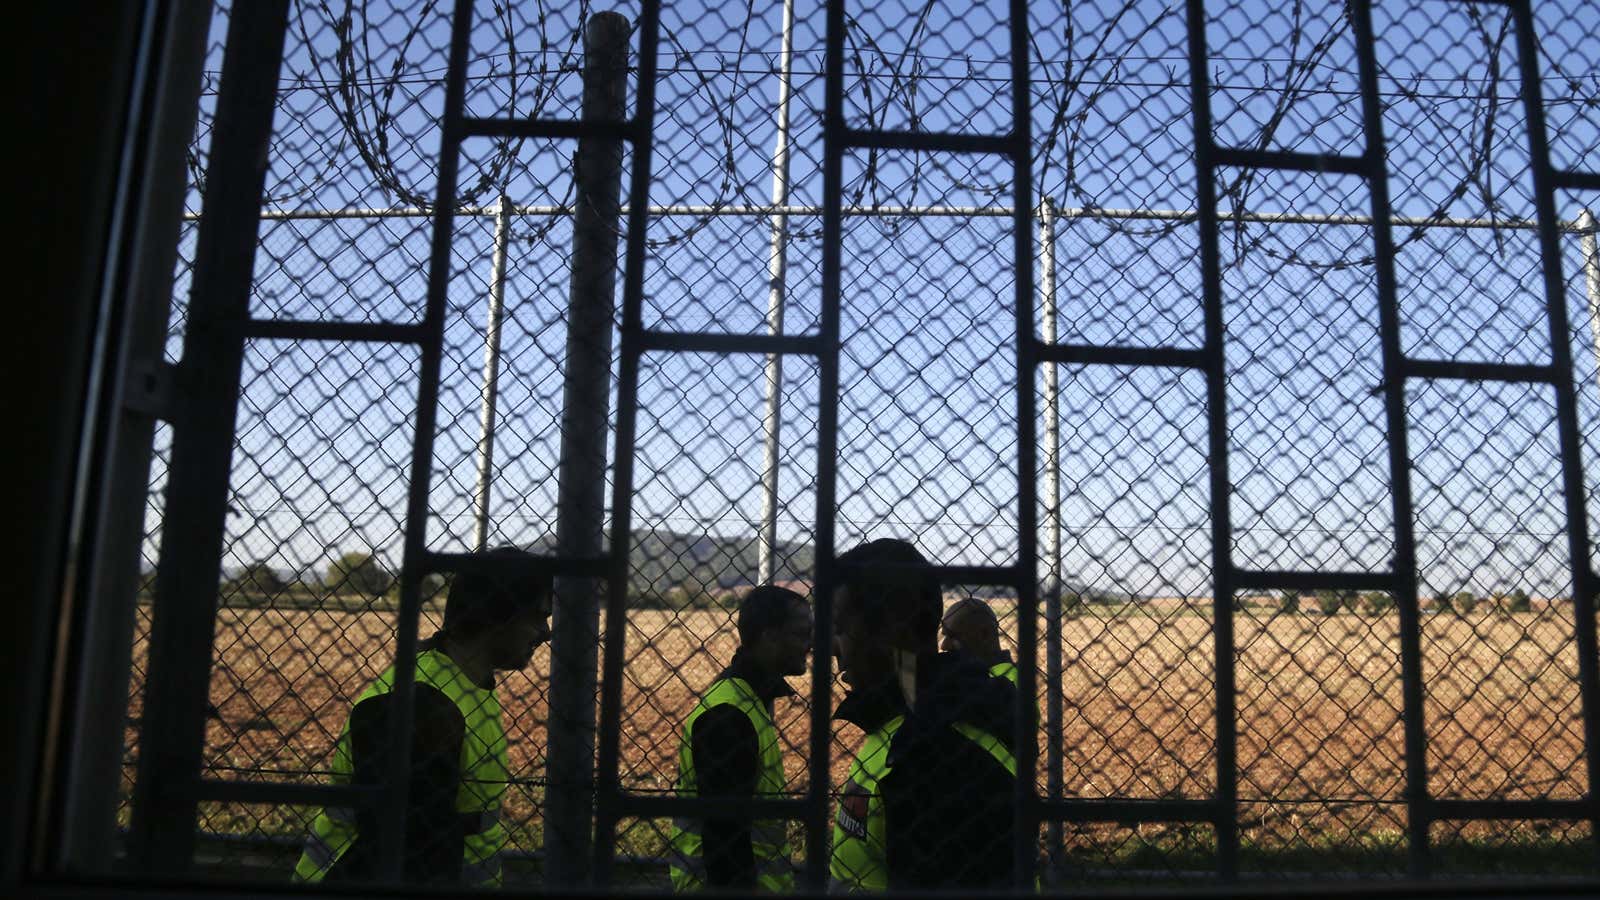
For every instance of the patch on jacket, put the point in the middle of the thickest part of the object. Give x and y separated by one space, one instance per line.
853 815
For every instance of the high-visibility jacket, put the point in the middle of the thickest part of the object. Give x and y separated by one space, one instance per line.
860 842
769 842
483 777
1008 671
859 850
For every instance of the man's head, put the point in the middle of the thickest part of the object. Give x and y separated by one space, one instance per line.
503 619
970 626
775 629
888 599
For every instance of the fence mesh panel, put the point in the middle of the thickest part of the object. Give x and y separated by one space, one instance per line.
927 431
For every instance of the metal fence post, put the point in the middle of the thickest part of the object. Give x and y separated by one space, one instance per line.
777 265
1026 748
814 877
491 375
608 792
569 802
1403 566
1546 181
1225 815
1052 498
93 762
1585 226
177 685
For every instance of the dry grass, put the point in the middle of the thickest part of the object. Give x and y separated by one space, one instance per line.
1320 731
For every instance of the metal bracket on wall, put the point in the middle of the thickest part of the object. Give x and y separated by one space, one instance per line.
151 389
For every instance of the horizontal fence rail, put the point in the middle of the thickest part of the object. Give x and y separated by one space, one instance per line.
1576 226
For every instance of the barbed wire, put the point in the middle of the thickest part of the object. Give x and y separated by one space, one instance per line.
362 101
211 78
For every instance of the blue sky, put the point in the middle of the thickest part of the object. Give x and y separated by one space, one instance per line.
927 418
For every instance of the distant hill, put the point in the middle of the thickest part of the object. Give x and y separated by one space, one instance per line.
666 561
694 568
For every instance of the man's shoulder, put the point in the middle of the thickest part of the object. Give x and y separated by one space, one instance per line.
943 765
945 745
723 718
721 724
728 696
427 701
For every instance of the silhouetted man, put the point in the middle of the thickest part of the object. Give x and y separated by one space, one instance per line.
730 748
930 797
458 745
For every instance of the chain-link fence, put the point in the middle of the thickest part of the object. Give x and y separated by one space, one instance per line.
1291 531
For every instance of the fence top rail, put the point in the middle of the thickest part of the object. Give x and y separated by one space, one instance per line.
1578 226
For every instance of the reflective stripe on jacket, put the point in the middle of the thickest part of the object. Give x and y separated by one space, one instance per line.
1008 671
769 842
859 852
483 777
860 848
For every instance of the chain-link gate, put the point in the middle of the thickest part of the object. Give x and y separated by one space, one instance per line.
1242 357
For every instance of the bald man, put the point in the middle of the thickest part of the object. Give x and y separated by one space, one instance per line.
971 628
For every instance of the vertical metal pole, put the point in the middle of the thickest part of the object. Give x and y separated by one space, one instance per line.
1573 488
1394 392
820 773
1591 278
569 802
491 375
609 793
165 799
777 265
1052 400
1055 834
1227 799
94 764
1027 738
395 803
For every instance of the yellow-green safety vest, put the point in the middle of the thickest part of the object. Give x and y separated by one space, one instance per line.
1008 671
483 777
769 842
860 851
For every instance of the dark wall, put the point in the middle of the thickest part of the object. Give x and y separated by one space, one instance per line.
72 89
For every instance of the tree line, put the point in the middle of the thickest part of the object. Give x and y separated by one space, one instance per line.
1464 603
673 571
